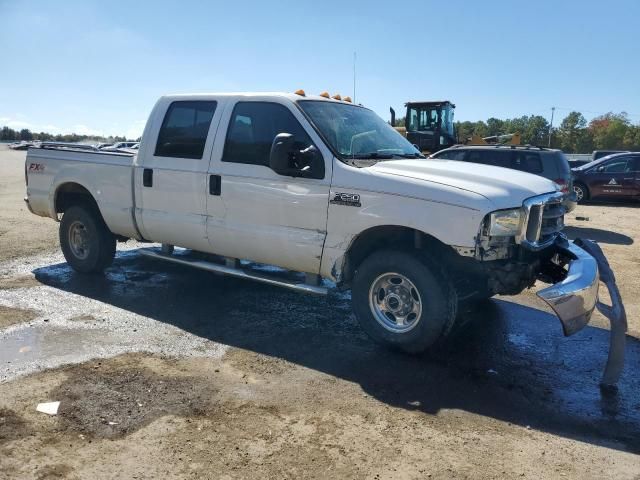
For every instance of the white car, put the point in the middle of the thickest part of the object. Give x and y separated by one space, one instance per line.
325 188
118 146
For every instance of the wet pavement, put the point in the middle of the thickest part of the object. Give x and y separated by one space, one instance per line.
509 362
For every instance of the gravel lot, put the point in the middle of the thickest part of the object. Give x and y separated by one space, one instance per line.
165 372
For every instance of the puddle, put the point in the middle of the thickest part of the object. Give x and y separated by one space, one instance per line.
20 347
64 327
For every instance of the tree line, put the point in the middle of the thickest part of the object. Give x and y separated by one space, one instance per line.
611 131
7 133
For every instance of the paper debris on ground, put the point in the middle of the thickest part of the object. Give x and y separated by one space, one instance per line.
50 408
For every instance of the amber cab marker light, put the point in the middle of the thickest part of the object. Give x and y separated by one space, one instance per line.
300 92
337 97
325 94
347 99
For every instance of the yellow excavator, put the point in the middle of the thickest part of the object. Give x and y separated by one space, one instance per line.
429 126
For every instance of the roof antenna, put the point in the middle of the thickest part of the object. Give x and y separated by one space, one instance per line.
354 78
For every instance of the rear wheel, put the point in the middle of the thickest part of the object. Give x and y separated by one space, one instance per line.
582 194
403 301
86 242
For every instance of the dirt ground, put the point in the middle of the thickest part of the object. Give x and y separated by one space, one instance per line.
163 372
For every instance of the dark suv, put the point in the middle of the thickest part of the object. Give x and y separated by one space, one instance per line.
546 162
615 176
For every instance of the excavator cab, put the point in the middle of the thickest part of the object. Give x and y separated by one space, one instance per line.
429 125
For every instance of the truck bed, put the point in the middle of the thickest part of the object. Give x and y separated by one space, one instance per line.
107 175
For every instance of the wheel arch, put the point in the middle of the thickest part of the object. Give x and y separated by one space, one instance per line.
69 194
397 237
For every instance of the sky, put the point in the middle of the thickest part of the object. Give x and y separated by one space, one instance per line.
97 67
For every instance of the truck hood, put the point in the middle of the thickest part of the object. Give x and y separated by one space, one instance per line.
504 187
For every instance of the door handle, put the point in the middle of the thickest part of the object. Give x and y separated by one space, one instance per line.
215 184
147 177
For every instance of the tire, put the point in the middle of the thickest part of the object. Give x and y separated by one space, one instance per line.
86 242
423 291
581 191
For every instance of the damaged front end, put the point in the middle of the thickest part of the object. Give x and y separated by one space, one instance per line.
519 246
574 276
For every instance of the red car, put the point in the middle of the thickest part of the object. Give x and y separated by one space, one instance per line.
615 176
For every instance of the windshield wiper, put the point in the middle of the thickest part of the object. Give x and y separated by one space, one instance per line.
371 155
409 155
384 156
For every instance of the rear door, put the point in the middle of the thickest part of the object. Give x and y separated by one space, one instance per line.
171 175
256 214
632 178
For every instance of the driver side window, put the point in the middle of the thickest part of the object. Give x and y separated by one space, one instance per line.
616 166
252 129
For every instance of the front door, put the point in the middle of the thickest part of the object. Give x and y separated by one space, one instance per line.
607 180
171 174
256 214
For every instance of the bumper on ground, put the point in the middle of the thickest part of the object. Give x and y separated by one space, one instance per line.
574 298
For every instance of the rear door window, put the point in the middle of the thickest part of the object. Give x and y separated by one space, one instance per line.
451 155
490 157
184 129
527 162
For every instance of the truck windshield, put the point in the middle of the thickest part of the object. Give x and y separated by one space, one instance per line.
355 132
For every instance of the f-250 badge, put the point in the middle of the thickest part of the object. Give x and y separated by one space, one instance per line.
348 199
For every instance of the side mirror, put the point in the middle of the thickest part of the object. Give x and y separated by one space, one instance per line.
600 168
286 159
281 153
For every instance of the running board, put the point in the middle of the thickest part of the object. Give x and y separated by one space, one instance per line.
235 271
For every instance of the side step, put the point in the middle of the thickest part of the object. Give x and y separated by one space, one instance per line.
233 268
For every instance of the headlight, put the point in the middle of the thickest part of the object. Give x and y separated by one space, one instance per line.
505 223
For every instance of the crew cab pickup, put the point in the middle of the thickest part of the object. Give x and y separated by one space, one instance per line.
324 190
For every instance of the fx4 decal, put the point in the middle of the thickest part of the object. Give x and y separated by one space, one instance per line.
348 199
36 167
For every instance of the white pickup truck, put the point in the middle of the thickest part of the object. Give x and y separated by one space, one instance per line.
323 189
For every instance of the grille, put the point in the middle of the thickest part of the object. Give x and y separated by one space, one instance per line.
545 219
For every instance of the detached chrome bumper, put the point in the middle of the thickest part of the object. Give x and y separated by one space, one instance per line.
574 298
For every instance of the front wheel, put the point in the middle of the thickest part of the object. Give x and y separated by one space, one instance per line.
403 301
581 192
86 242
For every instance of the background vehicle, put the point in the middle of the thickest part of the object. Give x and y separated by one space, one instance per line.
23 145
117 146
545 162
597 154
578 163
615 176
320 188
428 125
